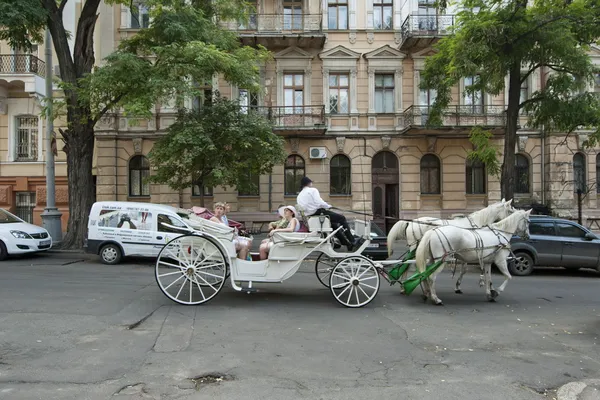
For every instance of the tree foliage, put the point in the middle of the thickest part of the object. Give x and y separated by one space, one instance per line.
184 46
496 39
217 144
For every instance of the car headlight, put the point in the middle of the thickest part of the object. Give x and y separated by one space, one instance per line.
20 235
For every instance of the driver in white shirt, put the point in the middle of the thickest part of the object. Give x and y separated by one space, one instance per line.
311 202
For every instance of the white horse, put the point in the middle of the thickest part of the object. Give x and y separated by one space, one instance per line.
414 230
483 246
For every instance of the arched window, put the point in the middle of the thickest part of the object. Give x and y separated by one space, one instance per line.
521 174
294 172
139 171
430 174
339 175
579 173
598 173
475 177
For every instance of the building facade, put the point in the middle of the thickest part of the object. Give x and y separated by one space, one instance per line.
343 90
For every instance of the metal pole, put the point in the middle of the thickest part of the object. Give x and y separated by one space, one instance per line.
51 215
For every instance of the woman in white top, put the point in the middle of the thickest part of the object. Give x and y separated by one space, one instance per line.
289 213
242 244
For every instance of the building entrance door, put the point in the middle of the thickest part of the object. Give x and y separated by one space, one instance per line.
385 176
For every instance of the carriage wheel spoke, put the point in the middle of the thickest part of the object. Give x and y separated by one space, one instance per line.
369 286
347 279
340 285
180 289
344 291
172 283
350 294
368 278
362 290
172 265
209 274
356 293
199 288
206 282
170 273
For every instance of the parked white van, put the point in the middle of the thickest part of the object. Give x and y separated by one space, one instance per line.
118 229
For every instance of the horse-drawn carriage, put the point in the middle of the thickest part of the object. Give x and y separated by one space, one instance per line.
193 268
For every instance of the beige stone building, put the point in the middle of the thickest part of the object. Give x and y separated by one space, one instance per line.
343 90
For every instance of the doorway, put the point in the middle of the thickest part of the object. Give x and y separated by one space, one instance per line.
385 177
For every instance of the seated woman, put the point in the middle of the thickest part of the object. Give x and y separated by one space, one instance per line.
289 214
242 244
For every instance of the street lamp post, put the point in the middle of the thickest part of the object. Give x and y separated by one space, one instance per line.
51 216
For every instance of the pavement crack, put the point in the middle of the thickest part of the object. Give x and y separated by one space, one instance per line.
141 321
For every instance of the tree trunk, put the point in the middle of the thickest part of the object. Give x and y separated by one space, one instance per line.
507 180
80 151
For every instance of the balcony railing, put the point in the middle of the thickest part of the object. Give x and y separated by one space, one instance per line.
278 23
21 64
427 25
456 116
296 117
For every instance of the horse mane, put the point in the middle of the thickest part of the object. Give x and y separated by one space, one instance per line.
483 215
507 223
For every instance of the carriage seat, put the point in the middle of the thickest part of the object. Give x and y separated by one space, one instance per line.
319 223
296 237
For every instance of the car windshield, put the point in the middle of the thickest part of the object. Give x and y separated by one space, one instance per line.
375 229
8 218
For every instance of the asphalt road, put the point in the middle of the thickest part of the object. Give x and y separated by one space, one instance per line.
75 329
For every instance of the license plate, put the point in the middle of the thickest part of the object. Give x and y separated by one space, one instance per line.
373 245
45 243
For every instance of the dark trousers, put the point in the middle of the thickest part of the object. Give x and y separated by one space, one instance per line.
345 236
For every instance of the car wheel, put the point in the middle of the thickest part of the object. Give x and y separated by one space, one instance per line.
3 251
111 254
522 265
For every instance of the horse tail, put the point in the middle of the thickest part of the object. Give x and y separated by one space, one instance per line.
423 251
397 232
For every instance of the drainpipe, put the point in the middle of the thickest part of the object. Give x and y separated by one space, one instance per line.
543 169
270 192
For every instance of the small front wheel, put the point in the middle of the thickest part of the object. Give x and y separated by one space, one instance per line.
323 268
354 281
111 254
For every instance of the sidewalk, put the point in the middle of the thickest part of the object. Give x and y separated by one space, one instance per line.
588 389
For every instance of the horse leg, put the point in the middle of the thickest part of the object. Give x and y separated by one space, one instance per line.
490 292
433 295
463 271
503 267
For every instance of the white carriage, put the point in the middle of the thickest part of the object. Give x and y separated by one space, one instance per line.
192 269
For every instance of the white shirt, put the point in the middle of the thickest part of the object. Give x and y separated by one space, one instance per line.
310 200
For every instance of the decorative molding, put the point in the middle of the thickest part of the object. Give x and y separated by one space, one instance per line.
294 144
385 52
385 142
340 141
581 139
370 37
352 37
137 145
522 143
431 143
397 37
339 52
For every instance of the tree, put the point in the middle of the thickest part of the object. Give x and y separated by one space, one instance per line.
495 39
217 144
183 45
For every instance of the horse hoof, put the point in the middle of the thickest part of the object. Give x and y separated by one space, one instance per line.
494 294
458 291
491 299
439 304
424 297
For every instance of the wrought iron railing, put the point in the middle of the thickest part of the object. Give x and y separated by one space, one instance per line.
21 64
469 115
427 25
278 23
292 117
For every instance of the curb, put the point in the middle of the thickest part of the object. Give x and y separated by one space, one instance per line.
580 390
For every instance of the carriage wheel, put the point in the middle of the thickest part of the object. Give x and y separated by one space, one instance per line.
354 281
323 267
191 269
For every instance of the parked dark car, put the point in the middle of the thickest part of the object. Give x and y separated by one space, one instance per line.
555 242
377 249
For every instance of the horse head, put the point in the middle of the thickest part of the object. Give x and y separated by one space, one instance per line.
522 228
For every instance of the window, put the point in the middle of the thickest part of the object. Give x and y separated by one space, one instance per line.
293 92
139 171
597 82
140 17
339 175
568 230
204 94
598 173
247 100
26 138
338 93
338 14
579 182
294 172
24 205
474 100
208 191
427 15
382 14
254 179
541 228
521 174
524 94
430 174
163 219
475 177
384 93
292 15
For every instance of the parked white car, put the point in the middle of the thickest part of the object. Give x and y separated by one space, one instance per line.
20 237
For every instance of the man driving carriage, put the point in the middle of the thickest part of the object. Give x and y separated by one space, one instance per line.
309 199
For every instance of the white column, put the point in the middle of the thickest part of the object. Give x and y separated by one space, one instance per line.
279 74
326 89
125 17
397 15
353 91
308 86
398 89
369 14
371 90
352 14
417 89
325 7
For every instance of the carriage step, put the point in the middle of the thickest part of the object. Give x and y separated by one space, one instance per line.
249 290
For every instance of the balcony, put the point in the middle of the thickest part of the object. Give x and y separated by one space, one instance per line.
22 72
295 121
421 31
277 30
455 119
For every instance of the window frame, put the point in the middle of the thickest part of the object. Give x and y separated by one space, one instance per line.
341 172
134 17
379 7
294 167
337 5
383 89
33 135
471 168
426 187
472 106
338 88
140 169
208 191
579 170
294 108
518 184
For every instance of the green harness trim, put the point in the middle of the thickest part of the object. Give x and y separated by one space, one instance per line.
398 269
411 283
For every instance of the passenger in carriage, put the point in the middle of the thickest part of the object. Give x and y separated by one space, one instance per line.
292 225
242 244
311 202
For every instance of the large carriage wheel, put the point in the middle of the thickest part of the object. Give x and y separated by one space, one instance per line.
191 269
354 281
323 267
